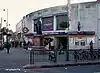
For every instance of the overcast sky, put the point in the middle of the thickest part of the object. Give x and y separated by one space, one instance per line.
19 8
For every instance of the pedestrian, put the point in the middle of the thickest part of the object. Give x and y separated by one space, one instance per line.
61 49
15 44
20 43
91 49
91 46
79 26
8 46
12 43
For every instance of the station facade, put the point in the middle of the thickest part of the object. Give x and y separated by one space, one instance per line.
86 16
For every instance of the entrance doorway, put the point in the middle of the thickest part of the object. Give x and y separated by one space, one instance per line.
62 41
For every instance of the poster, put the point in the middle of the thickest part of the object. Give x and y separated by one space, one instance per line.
47 23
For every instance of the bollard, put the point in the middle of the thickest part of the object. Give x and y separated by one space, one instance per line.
67 54
55 54
31 57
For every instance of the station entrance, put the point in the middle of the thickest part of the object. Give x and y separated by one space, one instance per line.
62 41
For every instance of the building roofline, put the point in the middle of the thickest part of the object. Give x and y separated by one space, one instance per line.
57 6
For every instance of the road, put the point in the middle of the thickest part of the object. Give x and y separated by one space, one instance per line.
13 62
79 69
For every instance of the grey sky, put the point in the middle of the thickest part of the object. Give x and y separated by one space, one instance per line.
18 8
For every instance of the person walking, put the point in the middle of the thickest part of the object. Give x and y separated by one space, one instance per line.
20 43
8 46
91 49
91 46
61 49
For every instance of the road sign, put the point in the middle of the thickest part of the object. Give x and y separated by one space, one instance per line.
25 29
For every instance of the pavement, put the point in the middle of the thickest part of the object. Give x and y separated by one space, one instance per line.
19 58
41 61
14 59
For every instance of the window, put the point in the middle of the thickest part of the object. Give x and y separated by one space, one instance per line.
76 43
60 19
35 21
47 23
90 5
82 43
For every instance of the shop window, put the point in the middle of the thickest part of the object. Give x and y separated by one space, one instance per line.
90 5
35 21
82 43
47 23
62 22
76 43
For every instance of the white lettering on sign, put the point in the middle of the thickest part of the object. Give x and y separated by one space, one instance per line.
13 69
30 49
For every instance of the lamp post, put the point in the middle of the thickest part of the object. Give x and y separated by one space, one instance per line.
1 24
1 35
6 24
69 23
7 16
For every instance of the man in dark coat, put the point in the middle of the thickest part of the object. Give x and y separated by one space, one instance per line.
91 46
8 46
91 50
79 26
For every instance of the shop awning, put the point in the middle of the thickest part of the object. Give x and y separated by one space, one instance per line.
81 33
63 33
29 34
71 33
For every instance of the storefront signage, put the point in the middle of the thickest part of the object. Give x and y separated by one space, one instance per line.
25 29
48 23
48 26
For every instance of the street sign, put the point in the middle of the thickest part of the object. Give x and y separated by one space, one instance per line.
25 29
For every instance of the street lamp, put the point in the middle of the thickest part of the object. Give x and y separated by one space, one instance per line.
6 24
7 17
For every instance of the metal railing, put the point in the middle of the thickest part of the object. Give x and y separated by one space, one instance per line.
86 55
78 55
52 54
